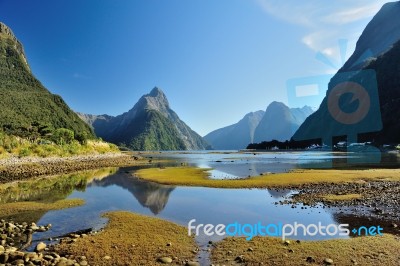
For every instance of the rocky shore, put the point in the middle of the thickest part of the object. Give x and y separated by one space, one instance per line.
16 238
378 200
15 168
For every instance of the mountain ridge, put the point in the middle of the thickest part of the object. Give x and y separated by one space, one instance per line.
377 37
236 136
134 127
248 129
280 122
386 66
21 91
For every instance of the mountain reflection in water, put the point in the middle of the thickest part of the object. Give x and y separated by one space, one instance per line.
149 195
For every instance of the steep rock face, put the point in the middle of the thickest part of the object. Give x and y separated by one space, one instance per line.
236 136
24 100
150 125
6 33
381 36
280 122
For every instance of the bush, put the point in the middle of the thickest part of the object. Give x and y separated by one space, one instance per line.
62 143
63 136
82 138
25 151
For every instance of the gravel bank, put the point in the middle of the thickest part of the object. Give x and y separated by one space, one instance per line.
15 168
379 200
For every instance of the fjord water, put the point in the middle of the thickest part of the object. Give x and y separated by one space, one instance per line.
121 190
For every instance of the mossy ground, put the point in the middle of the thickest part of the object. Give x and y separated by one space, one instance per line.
8 209
344 197
133 239
190 176
372 250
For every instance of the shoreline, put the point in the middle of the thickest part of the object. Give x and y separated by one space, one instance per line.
296 179
368 194
14 168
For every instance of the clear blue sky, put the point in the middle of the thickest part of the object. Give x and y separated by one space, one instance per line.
215 60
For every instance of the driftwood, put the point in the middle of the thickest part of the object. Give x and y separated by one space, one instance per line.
28 241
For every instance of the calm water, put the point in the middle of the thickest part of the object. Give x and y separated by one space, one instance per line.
121 191
226 164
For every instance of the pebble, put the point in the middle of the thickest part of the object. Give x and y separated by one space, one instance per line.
165 260
328 261
240 259
192 263
14 234
40 247
310 259
3 258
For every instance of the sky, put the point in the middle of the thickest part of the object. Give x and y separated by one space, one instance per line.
215 60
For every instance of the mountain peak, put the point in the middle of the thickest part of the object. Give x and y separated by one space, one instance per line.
156 91
4 29
156 100
275 105
6 34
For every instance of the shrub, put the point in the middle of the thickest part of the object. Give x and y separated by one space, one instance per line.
63 136
25 151
82 138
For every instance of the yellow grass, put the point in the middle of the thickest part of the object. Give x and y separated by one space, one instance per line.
345 197
133 239
372 250
190 176
14 208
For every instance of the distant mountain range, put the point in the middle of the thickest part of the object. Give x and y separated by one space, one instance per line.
150 125
236 136
278 122
378 49
24 100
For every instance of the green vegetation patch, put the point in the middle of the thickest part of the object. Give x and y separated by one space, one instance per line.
150 131
63 144
25 102
50 189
